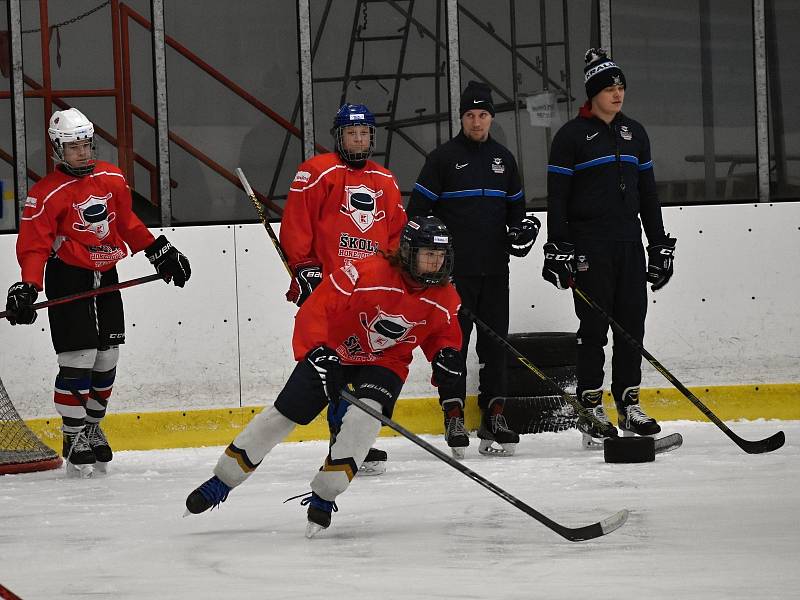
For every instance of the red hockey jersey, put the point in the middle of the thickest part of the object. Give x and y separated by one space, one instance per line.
87 221
336 214
369 314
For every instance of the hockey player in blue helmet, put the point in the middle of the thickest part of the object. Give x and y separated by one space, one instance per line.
354 134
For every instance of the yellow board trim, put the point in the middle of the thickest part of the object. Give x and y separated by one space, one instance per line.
218 427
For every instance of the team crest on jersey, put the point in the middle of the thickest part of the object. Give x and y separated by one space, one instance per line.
385 330
360 203
302 176
94 216
625 133
498 166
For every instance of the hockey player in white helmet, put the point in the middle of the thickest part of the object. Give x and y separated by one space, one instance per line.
72 137
76 225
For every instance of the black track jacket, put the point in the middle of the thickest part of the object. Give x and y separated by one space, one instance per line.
475 189
599 179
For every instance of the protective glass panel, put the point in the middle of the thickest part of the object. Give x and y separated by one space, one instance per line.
783 47
392 57
232 102
531 54
689 69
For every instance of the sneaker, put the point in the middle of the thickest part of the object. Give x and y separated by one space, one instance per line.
455 433
632 419
594 433
319 513
99 445
208 495
374 463
78 454
495 429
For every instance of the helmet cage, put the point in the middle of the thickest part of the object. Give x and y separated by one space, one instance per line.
430 234
351 115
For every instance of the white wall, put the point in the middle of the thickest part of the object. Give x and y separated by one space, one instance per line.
728 316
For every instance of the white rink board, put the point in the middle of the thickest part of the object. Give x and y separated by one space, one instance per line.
232 346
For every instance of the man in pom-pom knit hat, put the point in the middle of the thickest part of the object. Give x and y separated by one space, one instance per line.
601 192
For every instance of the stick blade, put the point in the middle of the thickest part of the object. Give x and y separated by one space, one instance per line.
769 444
596 530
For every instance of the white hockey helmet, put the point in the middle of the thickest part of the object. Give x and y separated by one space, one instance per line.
67 126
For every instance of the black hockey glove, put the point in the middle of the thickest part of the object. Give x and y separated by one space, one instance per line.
306 279
326 363
448 367
170 264
559 264
21 296
521 238
659 263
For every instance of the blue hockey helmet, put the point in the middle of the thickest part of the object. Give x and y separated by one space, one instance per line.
350 115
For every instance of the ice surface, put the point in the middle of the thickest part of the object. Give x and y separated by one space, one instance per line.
707 521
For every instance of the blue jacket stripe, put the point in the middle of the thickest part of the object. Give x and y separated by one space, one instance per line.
557 169
425 191
516 196
462 193
629 158
645 166
595 161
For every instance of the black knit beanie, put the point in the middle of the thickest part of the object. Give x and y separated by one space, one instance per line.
600 72
477 95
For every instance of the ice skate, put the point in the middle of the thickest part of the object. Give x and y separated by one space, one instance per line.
632 419
593 436
374 463
78 455
100 447
209 495
497 438
455 433
319 513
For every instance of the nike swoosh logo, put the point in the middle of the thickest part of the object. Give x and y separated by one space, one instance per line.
591 137
477 101
458 166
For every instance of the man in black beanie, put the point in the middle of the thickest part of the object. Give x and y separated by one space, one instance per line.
472 184
600 183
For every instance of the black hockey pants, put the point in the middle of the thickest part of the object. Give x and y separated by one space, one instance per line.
487 298
613 274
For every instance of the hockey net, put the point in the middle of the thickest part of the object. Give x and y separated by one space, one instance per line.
20 450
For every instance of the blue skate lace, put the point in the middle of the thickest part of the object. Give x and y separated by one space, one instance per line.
215 491
315 501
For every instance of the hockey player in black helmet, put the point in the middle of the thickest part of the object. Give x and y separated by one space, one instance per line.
358 329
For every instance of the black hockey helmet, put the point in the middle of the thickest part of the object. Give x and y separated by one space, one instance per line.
426 233
350 115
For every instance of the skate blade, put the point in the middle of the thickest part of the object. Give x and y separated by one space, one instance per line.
591 443
372 468
101 468
487 448
313 529
458 452
79 471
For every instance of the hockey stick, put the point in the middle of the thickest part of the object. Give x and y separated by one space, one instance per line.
263 216
573 534
7 594
91 293
769 444
571 400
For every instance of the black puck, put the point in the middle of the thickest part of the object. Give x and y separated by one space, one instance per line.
629 450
